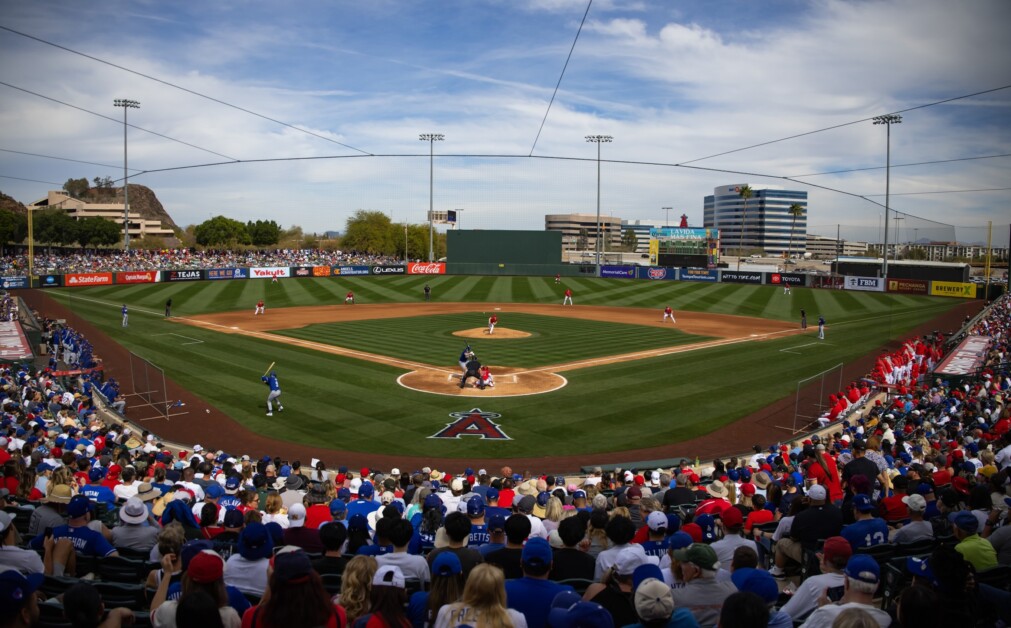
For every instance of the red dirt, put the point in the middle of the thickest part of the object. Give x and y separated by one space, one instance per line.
216 430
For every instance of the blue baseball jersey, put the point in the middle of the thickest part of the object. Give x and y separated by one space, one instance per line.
99 493
271 380
125 310
478 535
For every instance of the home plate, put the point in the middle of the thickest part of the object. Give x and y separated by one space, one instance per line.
234 328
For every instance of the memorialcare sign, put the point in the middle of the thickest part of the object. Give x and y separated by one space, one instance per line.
733 276
619 272
473 422
10 283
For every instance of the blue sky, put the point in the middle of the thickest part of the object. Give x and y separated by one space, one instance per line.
673 81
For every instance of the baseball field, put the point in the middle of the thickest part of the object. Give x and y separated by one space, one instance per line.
380 377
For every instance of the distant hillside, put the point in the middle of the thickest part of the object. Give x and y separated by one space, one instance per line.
10 204
142 200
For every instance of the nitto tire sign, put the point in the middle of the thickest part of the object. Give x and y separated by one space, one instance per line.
864 284
426 268
389 270
731 276
270 272
182 275
656 273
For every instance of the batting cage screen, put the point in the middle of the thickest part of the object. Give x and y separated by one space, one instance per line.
149 390
811 399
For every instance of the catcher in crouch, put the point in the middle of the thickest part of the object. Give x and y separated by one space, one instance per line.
487 379
473 370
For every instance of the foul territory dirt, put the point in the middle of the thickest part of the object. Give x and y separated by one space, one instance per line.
204 424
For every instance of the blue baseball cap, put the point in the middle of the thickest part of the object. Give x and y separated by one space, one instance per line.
344 494
708 525
337 506
366 491
542 498
475 506
214 490
255 542
863 568
580 494
96 474
79 505
756 581
920 567
446 564
492 494
232 483
581 615
863 503
432 501
536 553
679 540
16 590
964 520
495 523
644 572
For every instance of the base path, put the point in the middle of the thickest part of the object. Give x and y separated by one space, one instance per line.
221 431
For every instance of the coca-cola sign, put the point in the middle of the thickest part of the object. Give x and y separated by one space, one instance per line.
426 268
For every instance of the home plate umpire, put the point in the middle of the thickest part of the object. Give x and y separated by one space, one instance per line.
473 370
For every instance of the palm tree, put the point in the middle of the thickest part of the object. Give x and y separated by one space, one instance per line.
745 193
796 210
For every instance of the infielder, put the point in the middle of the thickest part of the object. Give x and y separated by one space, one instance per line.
821 328
803 319
350 298
558 279
275 392
568 297
126 316
492 321
259 308
465 357
786 288
668 312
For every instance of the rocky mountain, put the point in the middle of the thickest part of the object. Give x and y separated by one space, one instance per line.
12 205
142 200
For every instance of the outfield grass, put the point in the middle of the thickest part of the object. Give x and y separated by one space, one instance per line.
344 403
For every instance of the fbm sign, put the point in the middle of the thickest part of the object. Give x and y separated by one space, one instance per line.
474 422
866 284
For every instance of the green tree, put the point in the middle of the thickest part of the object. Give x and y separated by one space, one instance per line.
103 183
221 231
916 253
745 193
370 232
264 232
76 188
796 210
13 227
54 226
629 241
98 232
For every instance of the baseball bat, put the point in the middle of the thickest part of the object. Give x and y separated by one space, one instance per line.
267 372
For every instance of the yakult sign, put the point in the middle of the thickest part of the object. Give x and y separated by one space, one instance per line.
426 268
269 272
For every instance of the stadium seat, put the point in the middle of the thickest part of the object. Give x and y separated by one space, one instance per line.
579 584
916 548
253 598
56 585
413 585
51 616
122 569
881 553
894 579
22 517
116 594
331 582
999 577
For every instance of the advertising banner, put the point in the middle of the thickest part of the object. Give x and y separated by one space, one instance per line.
683 233
269 272
967 357
865 284
426 268
87 279
182 275
50 281
356 270
301 271
13 344
321 271
787 279
655 273
908 286
226 273
137 276
618 272
697 274
375 270
12 283
953 289
734 276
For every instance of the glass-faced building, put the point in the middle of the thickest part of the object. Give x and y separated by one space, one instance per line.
767 219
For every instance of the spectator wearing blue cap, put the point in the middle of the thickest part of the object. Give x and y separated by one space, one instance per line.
85 540
867 530
365 503
764 586
476 508
247 568
492 506
532 594
97 491
399 532
19 606
860 582
496 535
974 548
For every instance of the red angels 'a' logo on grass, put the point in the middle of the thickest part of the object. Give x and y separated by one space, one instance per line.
474 422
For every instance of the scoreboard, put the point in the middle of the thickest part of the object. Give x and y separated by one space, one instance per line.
684 247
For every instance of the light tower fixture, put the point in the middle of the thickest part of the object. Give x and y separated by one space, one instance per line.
126 105
666 220
598 140
888 120
431 138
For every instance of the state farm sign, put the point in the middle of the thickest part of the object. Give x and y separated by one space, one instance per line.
426 268
88 279
269 272
148 276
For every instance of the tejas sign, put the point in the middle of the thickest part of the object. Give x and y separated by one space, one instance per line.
865 284
148 276
88 279
389 270
269 272
426 268
474 422
182 275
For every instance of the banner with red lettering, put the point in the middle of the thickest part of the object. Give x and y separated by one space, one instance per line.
426 268
88 279
135 276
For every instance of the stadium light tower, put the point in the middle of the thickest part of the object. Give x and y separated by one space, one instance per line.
887 120
598 140
666 220
126 105
431 138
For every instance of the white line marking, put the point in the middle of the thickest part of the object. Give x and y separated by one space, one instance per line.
195 341
475 392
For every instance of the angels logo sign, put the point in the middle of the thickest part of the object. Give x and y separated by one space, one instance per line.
474 422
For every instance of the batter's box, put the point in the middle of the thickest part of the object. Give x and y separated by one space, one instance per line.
508 382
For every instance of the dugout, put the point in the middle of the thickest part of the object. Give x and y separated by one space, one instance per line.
902 269
480 252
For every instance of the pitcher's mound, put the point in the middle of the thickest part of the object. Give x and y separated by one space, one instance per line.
509 382
500 332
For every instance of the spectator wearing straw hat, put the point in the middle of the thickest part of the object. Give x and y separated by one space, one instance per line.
717 501
139 530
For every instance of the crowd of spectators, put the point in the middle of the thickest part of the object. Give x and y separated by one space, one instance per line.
896 515
182 259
